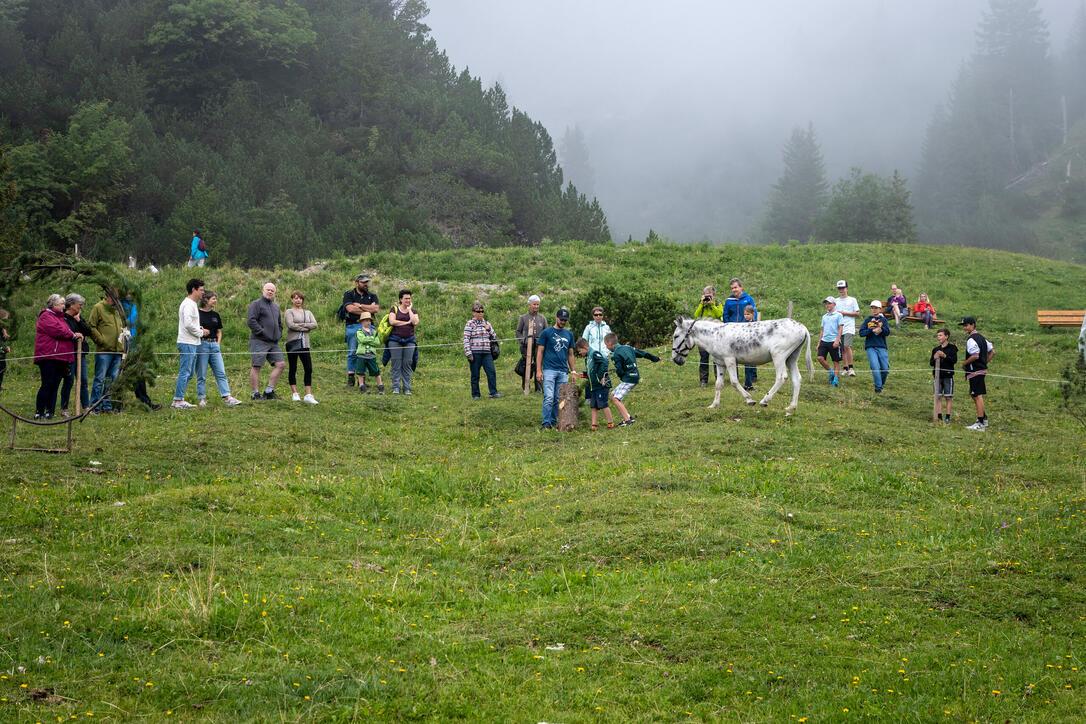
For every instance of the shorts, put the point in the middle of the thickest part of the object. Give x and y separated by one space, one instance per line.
597 398
977 386
363 366
622 389
944 387
826 349
260 351
846 339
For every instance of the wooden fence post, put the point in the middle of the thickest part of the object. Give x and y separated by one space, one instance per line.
78 377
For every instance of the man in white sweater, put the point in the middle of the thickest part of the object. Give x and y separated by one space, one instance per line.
189 333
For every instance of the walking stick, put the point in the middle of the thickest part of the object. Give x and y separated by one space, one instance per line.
528 357
78 377
935 396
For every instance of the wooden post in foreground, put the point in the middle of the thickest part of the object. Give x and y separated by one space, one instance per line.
528 358
78 377
935 386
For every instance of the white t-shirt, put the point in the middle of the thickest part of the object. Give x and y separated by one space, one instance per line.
972 348
188 322
847 304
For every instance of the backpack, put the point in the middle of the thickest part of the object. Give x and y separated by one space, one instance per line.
384 329
200 244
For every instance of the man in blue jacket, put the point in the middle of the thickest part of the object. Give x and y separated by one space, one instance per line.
733 312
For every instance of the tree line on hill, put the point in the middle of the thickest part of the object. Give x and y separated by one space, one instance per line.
283 131
1012 105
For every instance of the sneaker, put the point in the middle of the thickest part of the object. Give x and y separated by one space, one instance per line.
407 392
154 406
202 402
271 396
38 416
939 418
497 396
395 392
878 390
295 397
834 381
610 425
231 401
544 426
946 420
625 423
48 416
380 389
704 384
364 389
310 399
851 372
595 427
181 405
257 396
978 426
476 397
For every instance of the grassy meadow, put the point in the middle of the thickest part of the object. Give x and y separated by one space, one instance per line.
433 558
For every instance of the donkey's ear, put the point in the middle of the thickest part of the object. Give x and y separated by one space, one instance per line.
679 318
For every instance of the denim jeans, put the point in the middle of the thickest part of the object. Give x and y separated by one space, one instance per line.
750 375
209 353
351 333
69 381
485 361
879 360
106 364
187 353
552 379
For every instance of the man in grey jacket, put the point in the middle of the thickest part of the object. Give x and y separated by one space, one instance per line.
265 328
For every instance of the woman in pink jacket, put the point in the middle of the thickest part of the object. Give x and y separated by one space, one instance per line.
54 351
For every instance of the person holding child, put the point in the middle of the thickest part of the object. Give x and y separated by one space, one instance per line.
478 334
947 355
365 361
625 358
829 339
599 386
925 311
874 330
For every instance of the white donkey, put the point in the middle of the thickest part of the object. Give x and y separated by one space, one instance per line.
751 343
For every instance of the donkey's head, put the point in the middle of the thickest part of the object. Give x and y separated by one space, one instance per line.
681 343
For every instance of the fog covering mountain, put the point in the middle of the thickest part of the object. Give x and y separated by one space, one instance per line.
684 107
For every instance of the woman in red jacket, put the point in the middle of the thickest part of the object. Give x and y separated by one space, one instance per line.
925 311
54 351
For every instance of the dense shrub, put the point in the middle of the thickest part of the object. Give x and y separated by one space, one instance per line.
641 317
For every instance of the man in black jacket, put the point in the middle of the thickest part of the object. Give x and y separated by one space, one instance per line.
355 301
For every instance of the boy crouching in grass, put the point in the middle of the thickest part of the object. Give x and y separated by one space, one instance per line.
625 358
596 364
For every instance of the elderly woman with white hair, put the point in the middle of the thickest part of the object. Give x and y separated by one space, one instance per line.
54 350
73 317
530 325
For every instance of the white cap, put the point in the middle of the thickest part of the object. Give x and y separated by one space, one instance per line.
534 298
876 303
841 283
831 300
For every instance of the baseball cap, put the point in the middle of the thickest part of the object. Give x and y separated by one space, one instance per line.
842 283
968 320
831 300
362 278
876 303
562 313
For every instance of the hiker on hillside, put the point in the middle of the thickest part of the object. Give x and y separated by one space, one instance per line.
197 250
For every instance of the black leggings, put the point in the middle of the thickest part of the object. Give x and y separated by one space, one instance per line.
52 374
307 366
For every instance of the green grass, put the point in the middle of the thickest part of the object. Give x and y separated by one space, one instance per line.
424 558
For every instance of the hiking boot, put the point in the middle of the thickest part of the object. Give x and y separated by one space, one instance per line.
364 388
350 379
380 389
257 396
271 396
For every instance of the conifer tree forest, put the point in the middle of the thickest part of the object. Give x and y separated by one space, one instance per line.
283 131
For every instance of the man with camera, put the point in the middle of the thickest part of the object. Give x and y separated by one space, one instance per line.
709 308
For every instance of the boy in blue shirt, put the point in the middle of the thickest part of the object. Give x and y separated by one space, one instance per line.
829 339
554 364
599 386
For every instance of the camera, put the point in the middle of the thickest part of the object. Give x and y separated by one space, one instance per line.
707 298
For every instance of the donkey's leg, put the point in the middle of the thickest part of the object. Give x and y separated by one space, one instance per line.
779 366
793 371
730 363
719 383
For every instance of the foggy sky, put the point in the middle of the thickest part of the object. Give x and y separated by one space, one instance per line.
686 104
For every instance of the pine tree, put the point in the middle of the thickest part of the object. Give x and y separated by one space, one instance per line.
800 194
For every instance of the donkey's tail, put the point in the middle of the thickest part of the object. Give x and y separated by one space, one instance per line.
810 365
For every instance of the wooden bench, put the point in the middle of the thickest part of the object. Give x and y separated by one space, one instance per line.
914 318
1060 317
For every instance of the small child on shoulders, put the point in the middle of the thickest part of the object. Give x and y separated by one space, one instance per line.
365 361
947 354
625 358
599 385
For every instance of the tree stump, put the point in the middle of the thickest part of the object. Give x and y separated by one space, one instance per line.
569 400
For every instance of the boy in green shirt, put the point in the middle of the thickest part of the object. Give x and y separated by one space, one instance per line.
596 364
625 358
365 360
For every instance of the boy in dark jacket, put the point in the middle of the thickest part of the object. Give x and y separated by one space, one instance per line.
596 364
947 354
625 358
874 330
